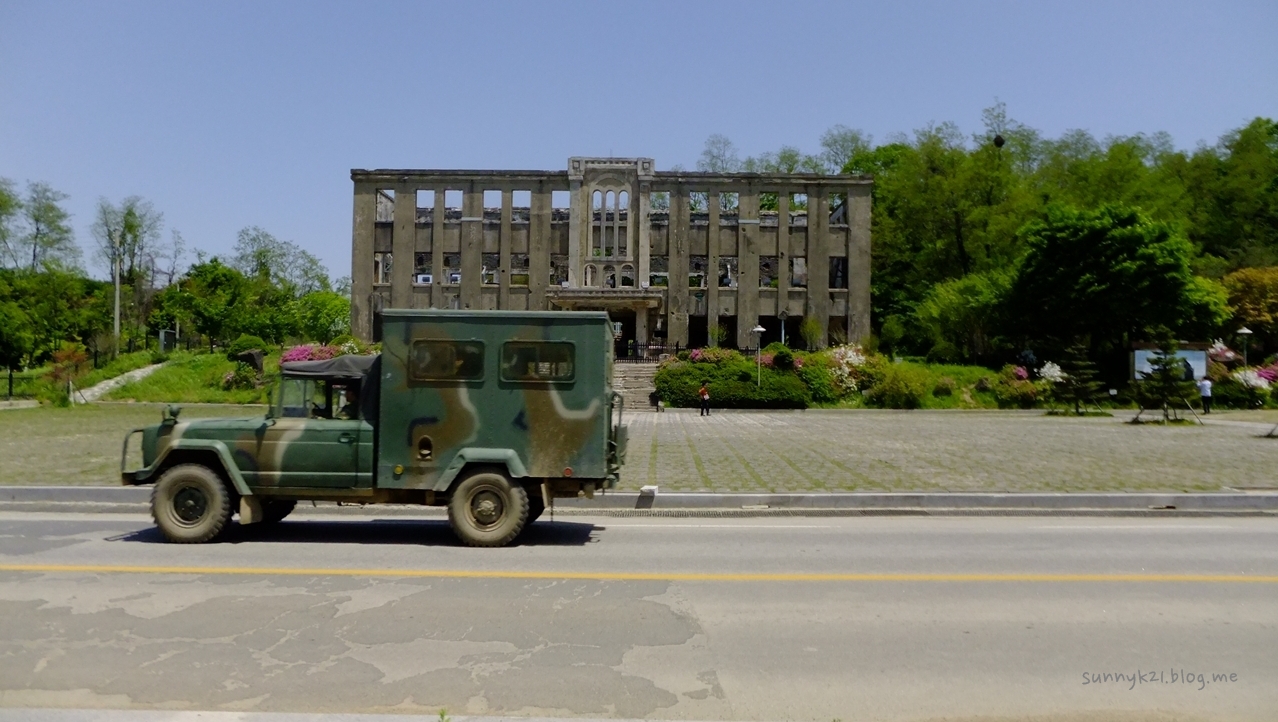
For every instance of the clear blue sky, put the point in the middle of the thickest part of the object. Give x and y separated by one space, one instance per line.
230 114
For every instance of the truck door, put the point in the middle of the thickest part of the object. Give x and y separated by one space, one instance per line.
300 446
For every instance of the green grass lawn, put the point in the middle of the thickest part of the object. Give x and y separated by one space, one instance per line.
80 445
190 378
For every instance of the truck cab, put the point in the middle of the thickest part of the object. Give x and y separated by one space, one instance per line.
492 414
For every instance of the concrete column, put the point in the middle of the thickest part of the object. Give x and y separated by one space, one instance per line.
503 274
578 219
403 246
639 205
858 263
538 247
747 265
641 325
438 278
363 222
818 260
783 252
472 246
712 266
677 312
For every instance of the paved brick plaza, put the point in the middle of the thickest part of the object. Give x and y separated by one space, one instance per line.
939 451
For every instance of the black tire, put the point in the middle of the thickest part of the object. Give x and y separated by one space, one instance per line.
274 510
190 504
487 510
536 506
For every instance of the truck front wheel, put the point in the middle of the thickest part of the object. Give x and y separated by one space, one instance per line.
487 510
190 504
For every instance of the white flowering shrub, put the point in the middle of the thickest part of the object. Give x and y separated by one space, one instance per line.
1251 379
1051 371
846 360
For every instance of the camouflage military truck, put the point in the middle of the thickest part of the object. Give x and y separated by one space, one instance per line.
492 414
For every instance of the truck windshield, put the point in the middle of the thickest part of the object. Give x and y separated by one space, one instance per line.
301 398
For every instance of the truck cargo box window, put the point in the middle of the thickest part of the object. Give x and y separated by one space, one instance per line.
447 360
538 361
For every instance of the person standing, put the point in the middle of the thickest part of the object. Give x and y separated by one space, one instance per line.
1204 391
704 393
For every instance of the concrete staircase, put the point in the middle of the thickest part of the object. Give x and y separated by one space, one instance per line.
634 382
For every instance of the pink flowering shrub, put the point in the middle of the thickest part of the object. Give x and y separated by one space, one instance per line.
1268 373
1021 373
310 352
712 355
767 358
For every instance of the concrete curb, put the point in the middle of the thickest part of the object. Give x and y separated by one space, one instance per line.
136 499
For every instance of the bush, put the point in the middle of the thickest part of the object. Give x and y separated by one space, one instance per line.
241 377
732 384
820 381
944 387
245 342
984 383
1228 393
783 360
1014 390
899 387
158 357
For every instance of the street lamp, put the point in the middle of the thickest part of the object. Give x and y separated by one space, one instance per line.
1246 334
758 359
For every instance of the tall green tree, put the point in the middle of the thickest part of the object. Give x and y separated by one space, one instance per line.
214 296
48 236
10 212
1111 273
1078 385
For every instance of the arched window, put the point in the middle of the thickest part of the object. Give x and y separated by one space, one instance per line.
628 276
610 277
591 273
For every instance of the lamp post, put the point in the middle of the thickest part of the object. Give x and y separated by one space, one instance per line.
1246 335
758 359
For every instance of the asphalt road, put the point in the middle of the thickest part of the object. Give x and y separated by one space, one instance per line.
704 619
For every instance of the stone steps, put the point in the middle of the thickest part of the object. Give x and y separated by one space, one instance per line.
634 383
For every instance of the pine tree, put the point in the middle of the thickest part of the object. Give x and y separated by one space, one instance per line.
1165 386
1079 385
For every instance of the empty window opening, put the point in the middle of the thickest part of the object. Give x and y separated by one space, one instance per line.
610 277
385 209
767 271
425 199
453 199
697 271
519 269
799 272
491 269
628 276
838 272
659 201
452 268
698 201
422 269
727 272
559 270
597 201
382 267
729 201
521 206
492 199
591 274
798 202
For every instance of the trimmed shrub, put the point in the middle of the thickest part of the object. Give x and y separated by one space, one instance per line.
819 380
783 360
732 384
245 342
899 387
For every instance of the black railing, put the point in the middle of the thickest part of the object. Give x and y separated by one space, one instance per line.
630 352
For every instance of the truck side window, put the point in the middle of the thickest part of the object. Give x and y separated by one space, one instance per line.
446 360
538 361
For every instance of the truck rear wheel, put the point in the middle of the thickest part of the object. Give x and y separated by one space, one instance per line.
487 510
190 504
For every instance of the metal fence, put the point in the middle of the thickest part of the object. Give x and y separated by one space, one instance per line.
630 352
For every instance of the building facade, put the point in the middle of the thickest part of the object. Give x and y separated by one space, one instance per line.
676 258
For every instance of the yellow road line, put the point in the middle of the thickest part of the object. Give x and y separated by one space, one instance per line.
635 576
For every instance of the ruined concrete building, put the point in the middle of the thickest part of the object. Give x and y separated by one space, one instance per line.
692 259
